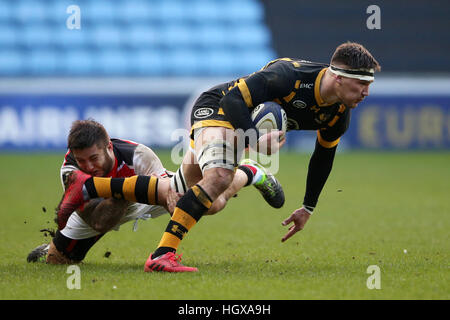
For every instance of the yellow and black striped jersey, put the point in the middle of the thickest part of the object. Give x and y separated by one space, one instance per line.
295 85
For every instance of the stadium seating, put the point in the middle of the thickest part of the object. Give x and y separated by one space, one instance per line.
133 38
12 62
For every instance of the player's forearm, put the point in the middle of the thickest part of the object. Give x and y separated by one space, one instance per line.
319 169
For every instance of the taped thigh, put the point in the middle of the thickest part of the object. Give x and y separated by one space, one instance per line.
218 153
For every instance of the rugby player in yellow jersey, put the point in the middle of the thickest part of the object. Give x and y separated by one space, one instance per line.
315 96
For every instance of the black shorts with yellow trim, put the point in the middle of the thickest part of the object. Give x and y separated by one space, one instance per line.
204 116
207 116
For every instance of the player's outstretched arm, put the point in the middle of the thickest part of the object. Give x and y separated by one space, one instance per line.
319 169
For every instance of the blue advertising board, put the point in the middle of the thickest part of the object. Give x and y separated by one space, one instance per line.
393 122
401 122
42 122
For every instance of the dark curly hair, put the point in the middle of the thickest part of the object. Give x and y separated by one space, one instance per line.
355 56
85 133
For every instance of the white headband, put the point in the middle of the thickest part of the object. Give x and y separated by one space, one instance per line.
361 74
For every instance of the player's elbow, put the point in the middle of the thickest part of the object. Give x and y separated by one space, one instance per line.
226 102
232 101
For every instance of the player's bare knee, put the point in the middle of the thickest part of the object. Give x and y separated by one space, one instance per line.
225 177
217 180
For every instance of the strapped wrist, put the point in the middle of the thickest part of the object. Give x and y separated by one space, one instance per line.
308 209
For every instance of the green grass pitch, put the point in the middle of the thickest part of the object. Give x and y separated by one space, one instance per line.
391 210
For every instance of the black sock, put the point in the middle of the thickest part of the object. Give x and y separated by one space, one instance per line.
73 249
190 208
248 172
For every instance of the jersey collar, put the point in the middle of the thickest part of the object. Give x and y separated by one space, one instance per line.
113 171
317 96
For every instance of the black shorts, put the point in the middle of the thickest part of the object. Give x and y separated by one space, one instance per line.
207 112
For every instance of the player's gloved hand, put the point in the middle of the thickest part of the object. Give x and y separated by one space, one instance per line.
299 217
271 142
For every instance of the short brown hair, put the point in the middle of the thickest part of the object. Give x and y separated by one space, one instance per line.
85 133
355 56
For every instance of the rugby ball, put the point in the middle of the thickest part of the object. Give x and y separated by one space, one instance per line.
269 116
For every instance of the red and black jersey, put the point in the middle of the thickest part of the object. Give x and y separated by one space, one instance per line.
131 159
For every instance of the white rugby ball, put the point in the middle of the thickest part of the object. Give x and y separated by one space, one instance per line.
269 116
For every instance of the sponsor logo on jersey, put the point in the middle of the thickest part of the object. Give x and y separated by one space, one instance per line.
306 85
299 104
203 113
323 117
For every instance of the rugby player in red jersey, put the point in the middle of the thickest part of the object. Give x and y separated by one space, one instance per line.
94 153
